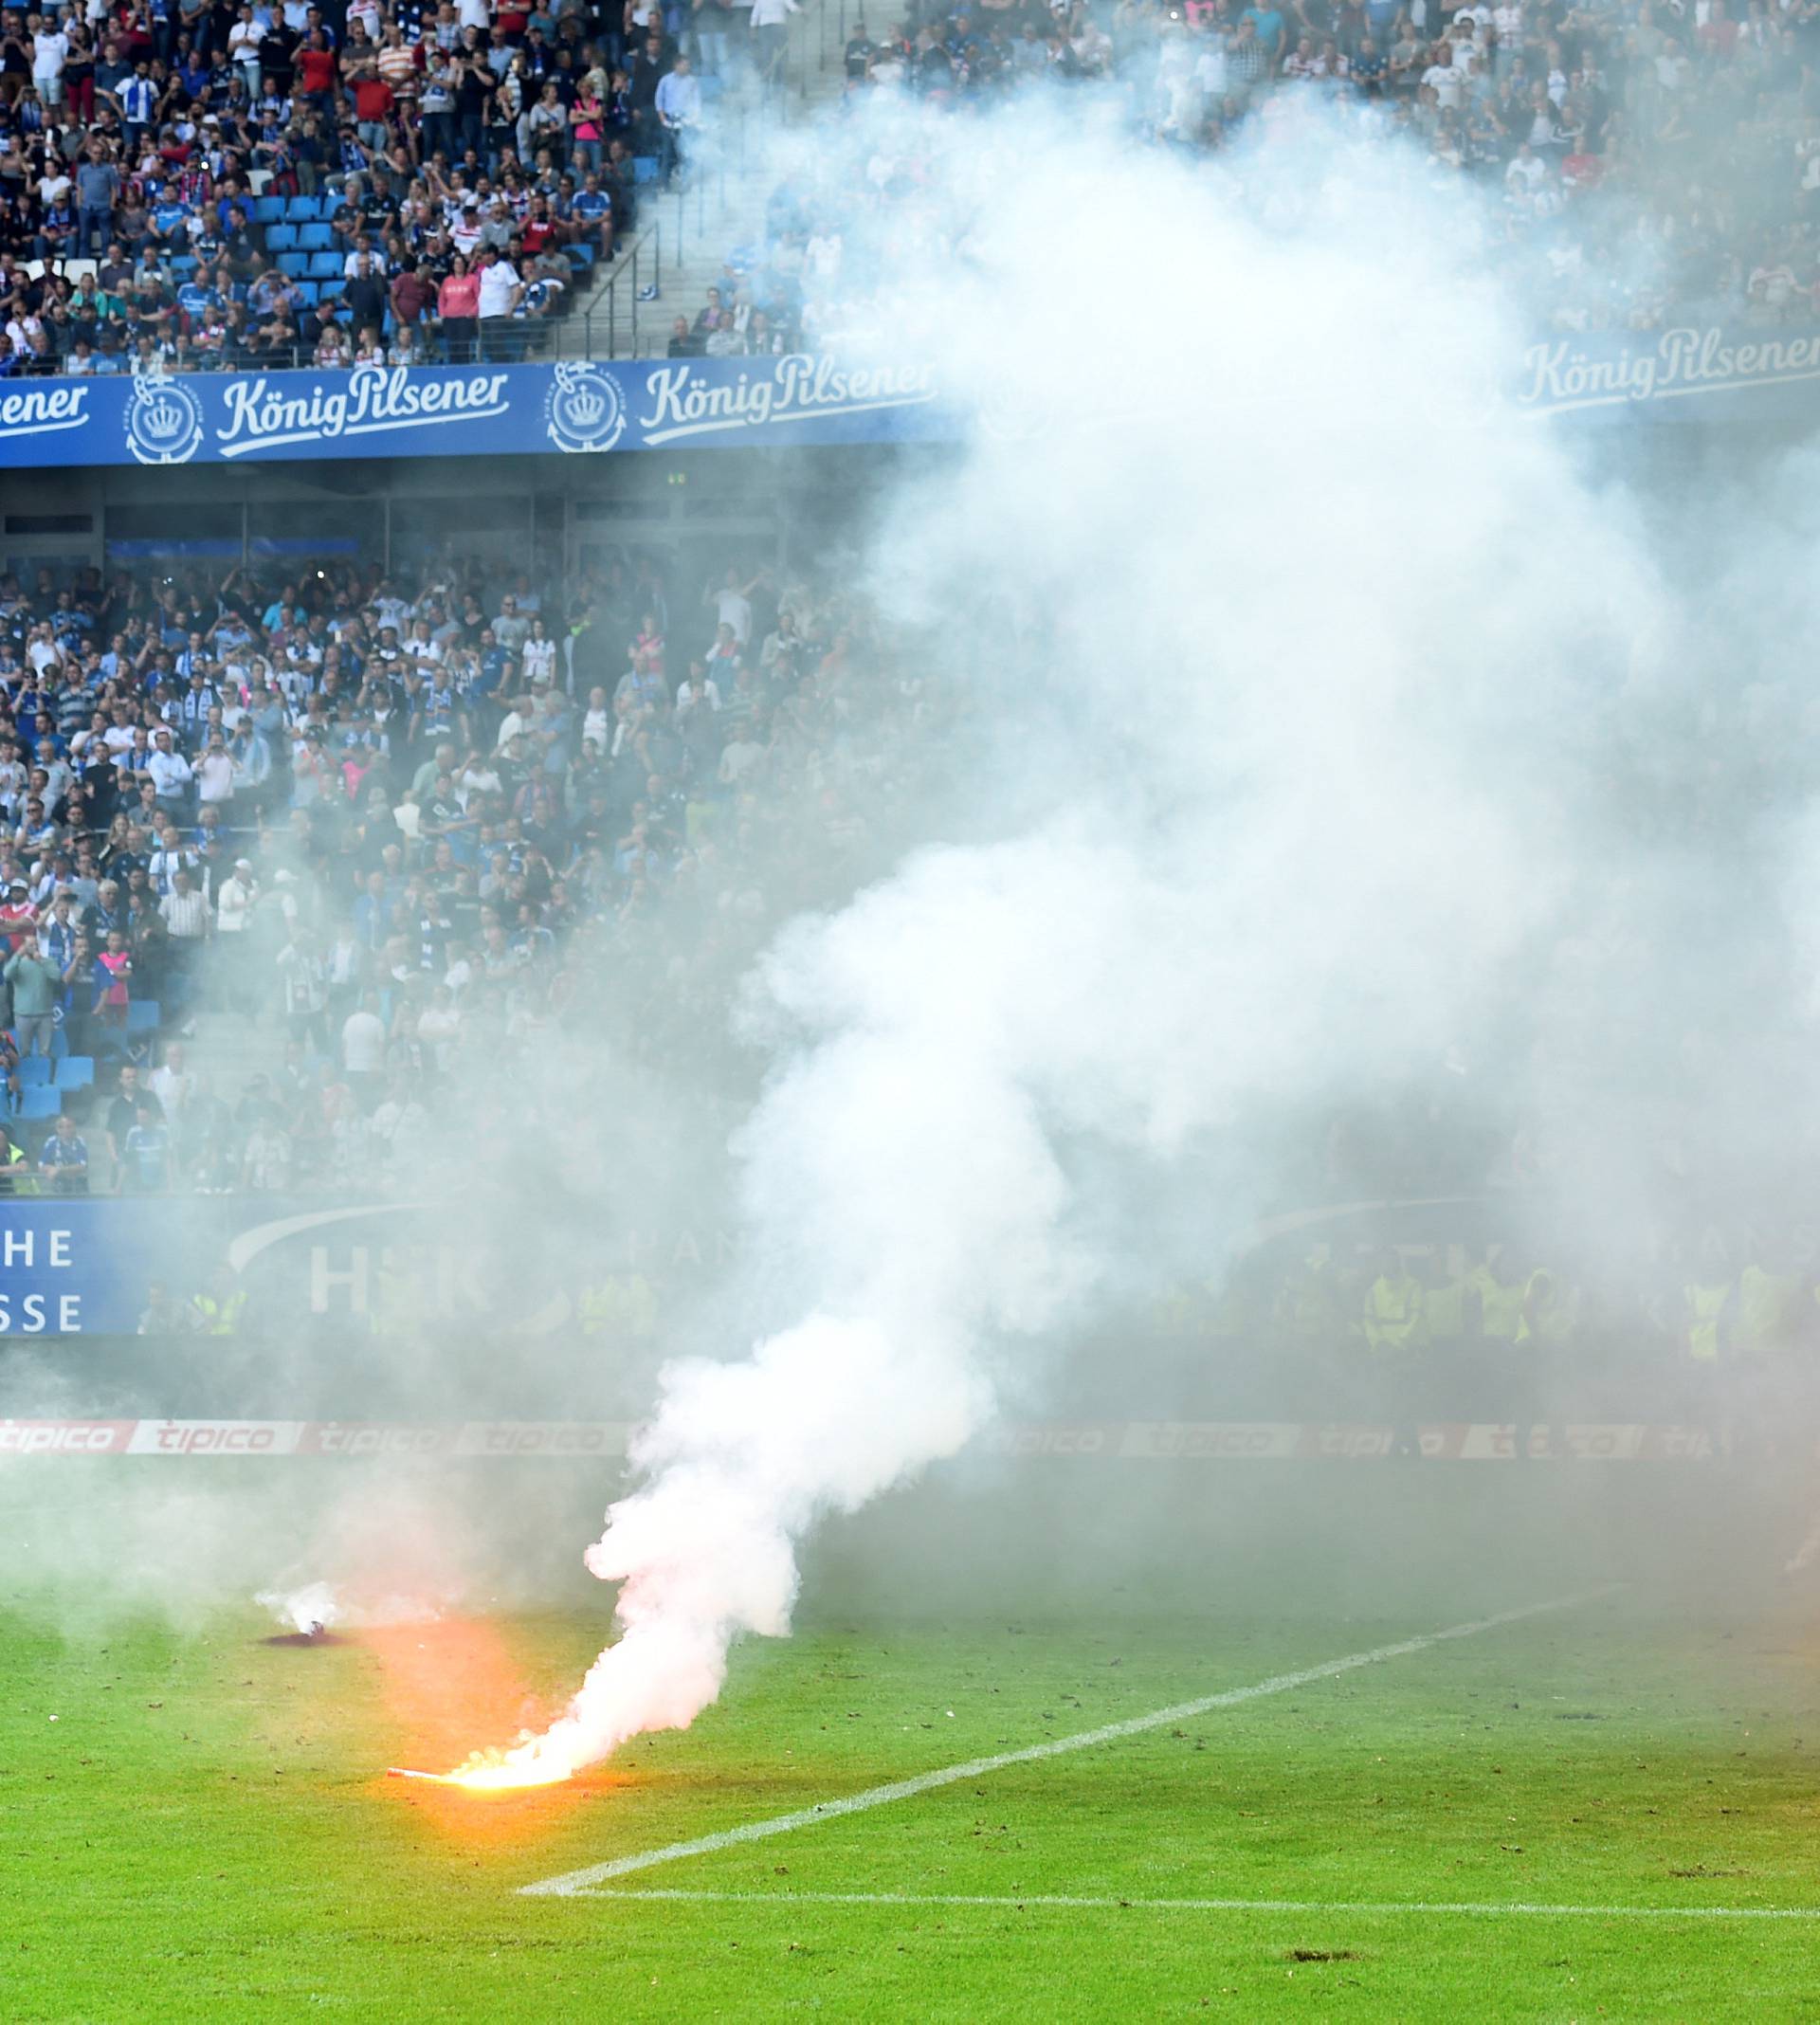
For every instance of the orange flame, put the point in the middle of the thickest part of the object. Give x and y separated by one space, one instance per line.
445 1681
489 1777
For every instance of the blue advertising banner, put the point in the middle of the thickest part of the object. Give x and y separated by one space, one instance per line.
567 408
81 1266
583 408
70 1265
1690 374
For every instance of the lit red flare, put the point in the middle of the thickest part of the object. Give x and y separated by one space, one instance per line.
486 1778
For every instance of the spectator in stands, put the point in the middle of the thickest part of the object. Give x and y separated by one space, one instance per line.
458 307
145 1154
498 298
16 1166
62 1160
677 104
113 984
770 27
37 984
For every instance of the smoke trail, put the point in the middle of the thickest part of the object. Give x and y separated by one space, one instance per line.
315 1607
1307 623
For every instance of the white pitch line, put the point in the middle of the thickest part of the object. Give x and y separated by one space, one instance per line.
1492 1909
571 1882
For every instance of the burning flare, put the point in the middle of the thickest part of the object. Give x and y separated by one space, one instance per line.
491 1771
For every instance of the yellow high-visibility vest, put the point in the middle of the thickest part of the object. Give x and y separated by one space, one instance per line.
220 1318
1501 1305
1765 1306
1393 1313
1703 1307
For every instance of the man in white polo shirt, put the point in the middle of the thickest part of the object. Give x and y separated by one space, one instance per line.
500 294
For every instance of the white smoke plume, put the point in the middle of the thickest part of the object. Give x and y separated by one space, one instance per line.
1307 606
315 1607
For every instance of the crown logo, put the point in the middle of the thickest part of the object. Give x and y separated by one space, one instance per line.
164 424
585 409
162 419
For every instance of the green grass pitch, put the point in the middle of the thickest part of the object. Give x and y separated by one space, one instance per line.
203 1832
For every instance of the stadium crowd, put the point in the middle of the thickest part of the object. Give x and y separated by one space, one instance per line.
387 181
247 185
411 831
1650 164
306 876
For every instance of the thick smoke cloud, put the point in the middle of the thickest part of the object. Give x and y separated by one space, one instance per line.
1297 659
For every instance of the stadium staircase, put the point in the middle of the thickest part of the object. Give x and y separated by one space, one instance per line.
684 236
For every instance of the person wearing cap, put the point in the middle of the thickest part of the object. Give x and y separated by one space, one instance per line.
238 896
18 917
466 230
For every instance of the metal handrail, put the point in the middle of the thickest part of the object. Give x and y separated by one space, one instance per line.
640 266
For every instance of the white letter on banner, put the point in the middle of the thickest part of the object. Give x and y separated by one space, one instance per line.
322 1281
60 1249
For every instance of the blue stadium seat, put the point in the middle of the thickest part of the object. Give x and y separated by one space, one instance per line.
327 291
184 263
76 1072
644 168
309 292
325 267
39 1104
302 211
297 264
314 238
143 1016
59 1044
267 211
33 1070
580 256
279 238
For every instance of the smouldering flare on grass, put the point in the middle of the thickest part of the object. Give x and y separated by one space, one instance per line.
491 1771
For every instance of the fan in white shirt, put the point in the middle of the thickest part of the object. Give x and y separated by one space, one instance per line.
48 50
1444 81
539 660
696 693
732 607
